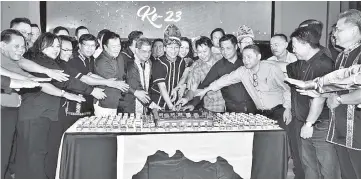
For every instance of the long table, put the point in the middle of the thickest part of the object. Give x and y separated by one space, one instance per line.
110 155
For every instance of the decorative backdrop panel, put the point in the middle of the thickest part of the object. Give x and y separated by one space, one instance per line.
193 18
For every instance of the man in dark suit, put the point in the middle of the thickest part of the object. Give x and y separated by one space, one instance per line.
138 77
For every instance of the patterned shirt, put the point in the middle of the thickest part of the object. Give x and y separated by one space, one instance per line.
345 123
213 100
168 72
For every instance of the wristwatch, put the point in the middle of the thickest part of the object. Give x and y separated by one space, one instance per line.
309 124
62 93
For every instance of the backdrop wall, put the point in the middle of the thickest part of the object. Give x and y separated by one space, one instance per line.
287 15
193 18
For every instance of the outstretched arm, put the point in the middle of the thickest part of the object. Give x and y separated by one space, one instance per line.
31 66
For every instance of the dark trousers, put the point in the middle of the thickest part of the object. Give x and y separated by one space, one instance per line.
318 156
32 143
241 107
57 129
269 153
293 132
9 118
350 162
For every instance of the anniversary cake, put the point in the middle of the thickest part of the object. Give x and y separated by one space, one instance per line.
175 121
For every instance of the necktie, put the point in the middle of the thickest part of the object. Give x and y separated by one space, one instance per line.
144 84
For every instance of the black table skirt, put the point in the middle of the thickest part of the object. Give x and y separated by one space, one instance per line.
89 157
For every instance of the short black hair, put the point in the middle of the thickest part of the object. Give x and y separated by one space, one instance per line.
190 53
253 47
313 23
80 28
156 40
307 35
217 30
101 33
88 37
134 35
204 41
6 35
66 38
109 35
141 42
34 25
230 37
59 28
19 20
283 36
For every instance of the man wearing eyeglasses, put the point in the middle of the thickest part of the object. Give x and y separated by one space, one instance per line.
138 78
263 81
83 61
311 119
23 25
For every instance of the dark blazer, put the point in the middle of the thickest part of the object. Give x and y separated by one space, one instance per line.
133 80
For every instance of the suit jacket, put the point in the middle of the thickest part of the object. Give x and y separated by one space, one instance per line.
134 81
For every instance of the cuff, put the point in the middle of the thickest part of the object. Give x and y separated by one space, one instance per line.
152 105
89 90
131 90
79 75
159 80
195 101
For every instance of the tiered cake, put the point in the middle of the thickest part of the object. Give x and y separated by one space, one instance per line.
195 121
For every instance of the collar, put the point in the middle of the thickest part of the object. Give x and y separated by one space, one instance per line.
129 52
238 61
351 48
315 57
137 61
166 58
106 54
81 56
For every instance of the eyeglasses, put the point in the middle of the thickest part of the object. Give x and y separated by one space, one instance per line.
25 33
145 51
67 50
172 48
89 46
336 29
255 80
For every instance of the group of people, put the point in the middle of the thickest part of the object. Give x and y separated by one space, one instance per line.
50 79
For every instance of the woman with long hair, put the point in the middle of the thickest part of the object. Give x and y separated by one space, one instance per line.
38 113
186 52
